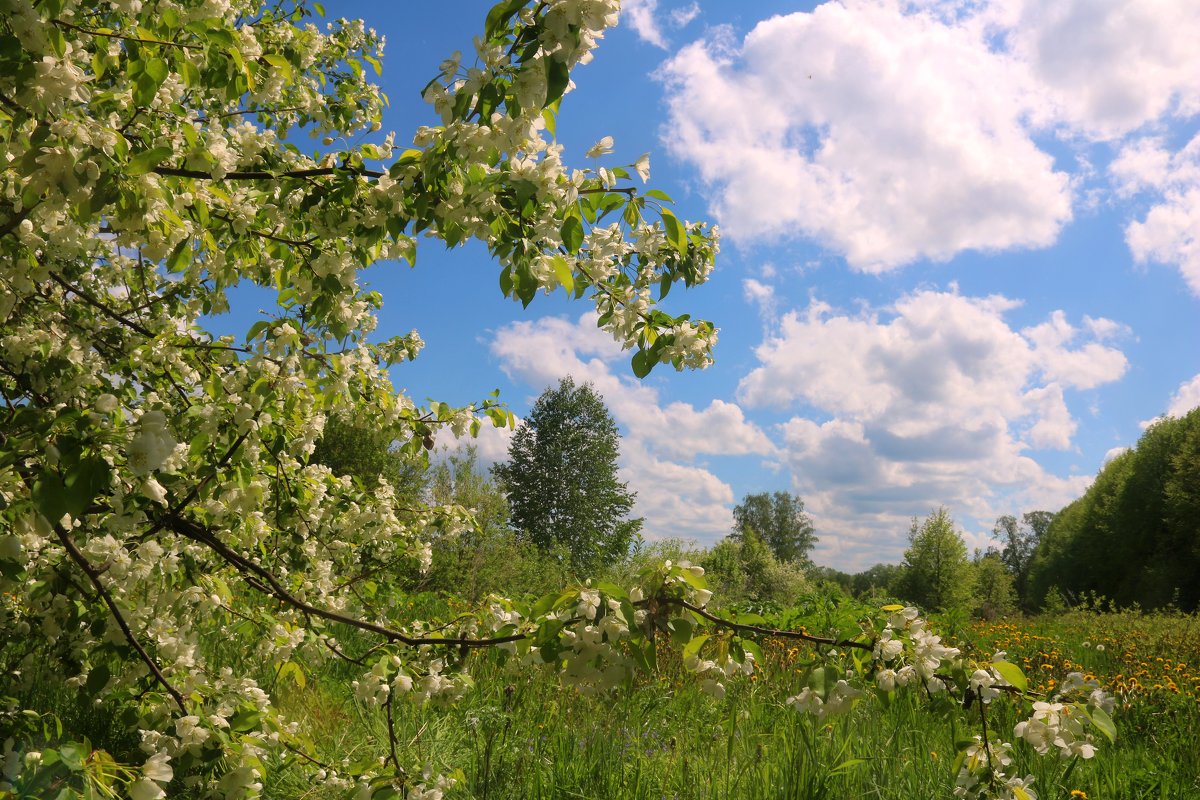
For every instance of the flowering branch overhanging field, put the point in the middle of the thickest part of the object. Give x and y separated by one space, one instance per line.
156 486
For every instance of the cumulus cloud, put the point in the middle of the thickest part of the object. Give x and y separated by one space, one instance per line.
678 500
1170 231
894 136
1111 66
936 400
684 15
662 439
901 130
761 295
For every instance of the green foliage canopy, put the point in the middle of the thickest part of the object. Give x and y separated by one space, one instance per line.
1134 536
157 481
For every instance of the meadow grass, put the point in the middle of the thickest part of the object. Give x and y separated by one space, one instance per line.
523 734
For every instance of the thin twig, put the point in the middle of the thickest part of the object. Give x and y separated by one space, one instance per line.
103 309
773 632
269 584
112 35
391 731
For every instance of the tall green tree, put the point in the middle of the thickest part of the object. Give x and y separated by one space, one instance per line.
561 478
994 585
937 573
780 520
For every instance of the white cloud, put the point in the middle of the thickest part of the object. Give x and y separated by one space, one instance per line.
678 496
1087 367
762 295
677 500
541 352
893 136
935 401
1113 453
1186 397
1142 163
1111 65
684 15
1170 231
640 16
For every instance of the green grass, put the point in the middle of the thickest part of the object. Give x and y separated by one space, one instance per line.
522 734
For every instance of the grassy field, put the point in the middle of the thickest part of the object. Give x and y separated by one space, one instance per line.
525 735
520 733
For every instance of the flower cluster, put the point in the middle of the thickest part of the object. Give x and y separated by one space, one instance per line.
839 699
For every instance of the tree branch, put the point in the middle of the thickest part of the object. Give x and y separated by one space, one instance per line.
79 558
779 634
269 584
263 175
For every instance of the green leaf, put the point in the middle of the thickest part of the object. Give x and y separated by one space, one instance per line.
50 496
157 69
97 679
1102 721
292 669
572 233
73 755
246 719
848 764
751 646
562 271
693 647
681 631
500 14
642 363
147 160
285 66
658 194
557 78
144 89
676 234
1011 673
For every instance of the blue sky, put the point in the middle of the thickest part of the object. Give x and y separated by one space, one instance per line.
960 261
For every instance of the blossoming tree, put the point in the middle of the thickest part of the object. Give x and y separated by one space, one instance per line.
155 480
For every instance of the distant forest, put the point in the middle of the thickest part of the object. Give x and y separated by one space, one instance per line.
1134 537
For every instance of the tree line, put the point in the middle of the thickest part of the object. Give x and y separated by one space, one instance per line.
557 508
